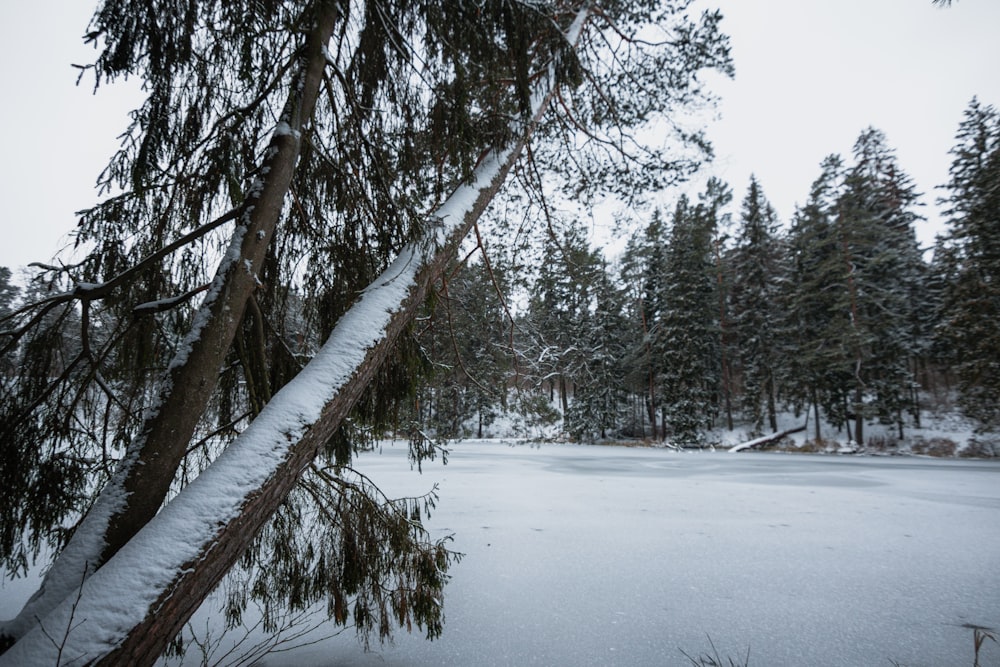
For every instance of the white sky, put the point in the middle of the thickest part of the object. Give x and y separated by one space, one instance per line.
811 74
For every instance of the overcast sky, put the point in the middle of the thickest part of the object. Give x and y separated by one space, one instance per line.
811 74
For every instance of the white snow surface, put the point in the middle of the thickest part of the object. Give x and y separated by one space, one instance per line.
578 555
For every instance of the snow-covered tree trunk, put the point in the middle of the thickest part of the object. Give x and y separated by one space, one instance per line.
143 478
128 610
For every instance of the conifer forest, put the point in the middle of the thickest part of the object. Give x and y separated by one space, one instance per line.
331 222
717 314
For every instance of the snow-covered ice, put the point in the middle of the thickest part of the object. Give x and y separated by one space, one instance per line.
579 555
616 556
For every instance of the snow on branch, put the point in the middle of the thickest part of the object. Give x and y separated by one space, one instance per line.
155 580
765 439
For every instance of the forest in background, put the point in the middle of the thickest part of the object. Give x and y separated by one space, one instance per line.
709 320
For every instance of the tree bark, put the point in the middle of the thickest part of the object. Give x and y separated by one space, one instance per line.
815 405
170 566
859 418
772 410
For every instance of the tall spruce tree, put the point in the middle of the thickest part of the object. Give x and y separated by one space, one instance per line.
883 272
284 155
8 298
686 334
599 397
563 299
816 368
644 267
967 336
856 290
757 273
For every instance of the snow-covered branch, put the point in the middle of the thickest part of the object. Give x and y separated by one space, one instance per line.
142 596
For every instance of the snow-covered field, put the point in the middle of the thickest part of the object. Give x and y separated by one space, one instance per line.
578 555
581 555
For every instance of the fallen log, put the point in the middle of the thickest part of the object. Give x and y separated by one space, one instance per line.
765 439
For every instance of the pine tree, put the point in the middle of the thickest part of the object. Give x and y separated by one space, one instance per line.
817 374
644 266
686 335
599 399
884 278
970 305
8 299
757 266
560 310
857 289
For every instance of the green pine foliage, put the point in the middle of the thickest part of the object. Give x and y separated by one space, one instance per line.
967 336
877 221
816 374
599 402
832 316
562 314
686 336
643 272
757 278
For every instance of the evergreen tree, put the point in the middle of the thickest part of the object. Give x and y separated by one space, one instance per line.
686 335
817 374
970 308
8 293
561 307
644 269
856 290
757 267
8 299
884 278
598 405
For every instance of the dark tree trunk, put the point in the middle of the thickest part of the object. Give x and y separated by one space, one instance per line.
815 402
564 396
772 410
859 421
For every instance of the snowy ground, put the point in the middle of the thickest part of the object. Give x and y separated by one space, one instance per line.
581 555
611 556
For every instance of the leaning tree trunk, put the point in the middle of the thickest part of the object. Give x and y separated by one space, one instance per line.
129 610
142 481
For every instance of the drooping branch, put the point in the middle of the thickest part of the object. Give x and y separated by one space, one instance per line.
144 477
180 555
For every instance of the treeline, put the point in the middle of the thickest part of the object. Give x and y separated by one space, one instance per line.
708 321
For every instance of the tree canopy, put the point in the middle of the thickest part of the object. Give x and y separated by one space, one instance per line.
297 173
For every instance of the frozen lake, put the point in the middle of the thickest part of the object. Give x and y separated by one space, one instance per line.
583 556
611 556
